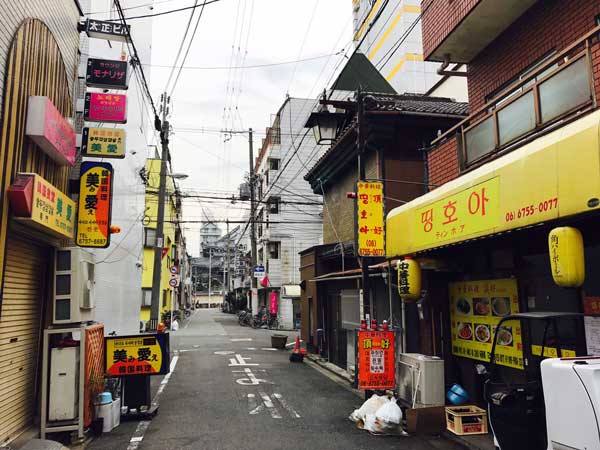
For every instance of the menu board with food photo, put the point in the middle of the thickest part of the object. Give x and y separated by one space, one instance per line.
476 307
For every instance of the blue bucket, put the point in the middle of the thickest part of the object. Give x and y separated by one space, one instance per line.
104 398
457 395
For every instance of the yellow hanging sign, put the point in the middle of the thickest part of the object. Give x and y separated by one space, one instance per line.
370 219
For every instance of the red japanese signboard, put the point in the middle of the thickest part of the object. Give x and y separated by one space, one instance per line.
110 108
376 360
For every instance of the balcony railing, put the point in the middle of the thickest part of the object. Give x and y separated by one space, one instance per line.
554 92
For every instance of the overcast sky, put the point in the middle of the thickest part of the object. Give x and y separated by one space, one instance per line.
239 33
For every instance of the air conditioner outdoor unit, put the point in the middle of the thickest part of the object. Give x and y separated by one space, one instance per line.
421 380
73 285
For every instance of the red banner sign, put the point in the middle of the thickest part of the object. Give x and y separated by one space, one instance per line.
376 360
111 108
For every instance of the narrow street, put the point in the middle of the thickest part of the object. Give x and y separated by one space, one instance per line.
210 402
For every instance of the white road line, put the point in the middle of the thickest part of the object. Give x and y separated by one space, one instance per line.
138 435
240 339
253 406
270 406
269 349
286 405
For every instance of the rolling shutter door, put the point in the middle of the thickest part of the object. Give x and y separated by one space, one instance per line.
20 323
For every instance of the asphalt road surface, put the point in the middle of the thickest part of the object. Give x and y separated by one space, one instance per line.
230 391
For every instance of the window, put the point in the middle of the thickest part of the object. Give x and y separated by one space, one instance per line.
273 204
274 250
273 164
146 297
149 237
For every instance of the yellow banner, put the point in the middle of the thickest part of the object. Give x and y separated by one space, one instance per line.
464 213
51 209
103 142
135 355
476 307
371 236
95 196
538 182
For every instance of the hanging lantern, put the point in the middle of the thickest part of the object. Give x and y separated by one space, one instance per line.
567 261
409 279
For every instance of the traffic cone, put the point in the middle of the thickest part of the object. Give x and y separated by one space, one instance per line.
297 354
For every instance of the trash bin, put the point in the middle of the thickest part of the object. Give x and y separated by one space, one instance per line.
278 341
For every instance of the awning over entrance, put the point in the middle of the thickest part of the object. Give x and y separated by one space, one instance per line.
557 175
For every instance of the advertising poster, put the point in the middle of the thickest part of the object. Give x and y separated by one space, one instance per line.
103 142
146 354
95 198
370 217
107 74
476 307
376 360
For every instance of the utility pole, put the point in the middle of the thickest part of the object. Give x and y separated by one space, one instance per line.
228 262
360 144
160 216
252 214
209 274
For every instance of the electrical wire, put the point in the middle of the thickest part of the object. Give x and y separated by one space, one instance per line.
151 4
306 33
164 13
187 29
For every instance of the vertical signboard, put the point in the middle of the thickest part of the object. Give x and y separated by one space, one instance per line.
95 198
103 142
370 219
376 360
109 108
476 307
106 74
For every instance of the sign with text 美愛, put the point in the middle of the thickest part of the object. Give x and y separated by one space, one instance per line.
113 31
47 127
103 142
95 198
464 213
35 201
476 308
106 74
370 219
144 354
109 108
376 360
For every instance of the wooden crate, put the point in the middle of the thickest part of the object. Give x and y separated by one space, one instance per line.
467 419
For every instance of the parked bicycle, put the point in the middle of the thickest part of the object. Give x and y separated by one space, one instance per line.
245 318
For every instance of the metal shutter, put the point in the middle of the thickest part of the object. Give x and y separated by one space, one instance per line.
20 324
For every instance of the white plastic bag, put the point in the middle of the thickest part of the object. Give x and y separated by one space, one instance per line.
373 425
368 407
390 413
174 326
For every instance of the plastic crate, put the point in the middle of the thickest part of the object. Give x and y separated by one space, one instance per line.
467 419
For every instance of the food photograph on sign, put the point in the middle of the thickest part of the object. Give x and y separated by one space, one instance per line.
95 199
476 309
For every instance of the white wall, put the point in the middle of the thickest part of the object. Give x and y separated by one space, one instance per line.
118 277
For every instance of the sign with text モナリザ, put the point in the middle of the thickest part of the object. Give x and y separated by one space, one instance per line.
106 74
38 203
144 354
113 31
95 198
109 108
103 142
47 127
464 213
370 219
376 360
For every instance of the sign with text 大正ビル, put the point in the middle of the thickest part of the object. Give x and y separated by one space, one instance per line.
110 108
370 220
376 360
95 198
535 183
35 201
103 142
47 127
476 307
106 73
113 31
464 213
144 354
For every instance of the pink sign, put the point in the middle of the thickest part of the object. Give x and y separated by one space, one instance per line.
273 303
50 130
100 107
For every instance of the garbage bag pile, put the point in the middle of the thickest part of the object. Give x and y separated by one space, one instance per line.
379 415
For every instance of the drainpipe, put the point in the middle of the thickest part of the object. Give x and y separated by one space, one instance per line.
449 73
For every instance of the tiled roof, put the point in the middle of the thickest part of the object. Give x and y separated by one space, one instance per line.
415 103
